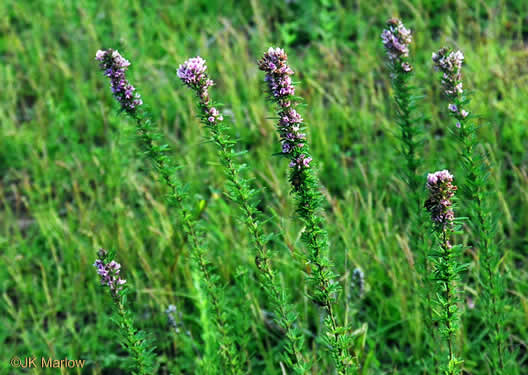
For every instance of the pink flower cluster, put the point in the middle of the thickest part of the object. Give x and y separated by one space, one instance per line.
301 161
214 115
275 64
109 273
278 76
396 39
450 64
441 192
193 73
114 67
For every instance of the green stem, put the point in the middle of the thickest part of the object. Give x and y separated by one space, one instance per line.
262 260
484 230
313 228
198 252
409 132
132 341
448 279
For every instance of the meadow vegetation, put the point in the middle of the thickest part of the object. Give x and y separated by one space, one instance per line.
234 260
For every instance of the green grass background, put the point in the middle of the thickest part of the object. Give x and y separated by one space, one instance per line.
72 179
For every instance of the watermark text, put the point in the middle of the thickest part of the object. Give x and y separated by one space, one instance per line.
46 362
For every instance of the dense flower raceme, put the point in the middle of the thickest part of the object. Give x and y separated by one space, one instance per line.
441 192
193 74
278 77
396 39
450 64
114 67
109 272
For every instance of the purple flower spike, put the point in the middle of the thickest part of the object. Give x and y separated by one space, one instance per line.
275 63
193 73
278 77
109 273
450 64
441 192
396 39
114 67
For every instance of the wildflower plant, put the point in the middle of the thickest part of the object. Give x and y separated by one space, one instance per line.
477 189
133 340
396 40
445 264
193 74
324 289
114 66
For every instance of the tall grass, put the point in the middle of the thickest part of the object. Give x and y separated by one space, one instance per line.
72 181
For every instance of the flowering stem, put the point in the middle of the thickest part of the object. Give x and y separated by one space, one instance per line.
262 259
396 39
450 64
161 161
324 288
132 340
193 74
446 269
115 66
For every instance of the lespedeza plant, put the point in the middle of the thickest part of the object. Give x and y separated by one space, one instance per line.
324 288
396 39
194 75
445 263
477 189
131 339
114 66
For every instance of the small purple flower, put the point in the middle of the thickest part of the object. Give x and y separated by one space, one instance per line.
406 67
301 162
464 113
114 67
441 192
458 125
396 40
286 147
109 272
452 108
